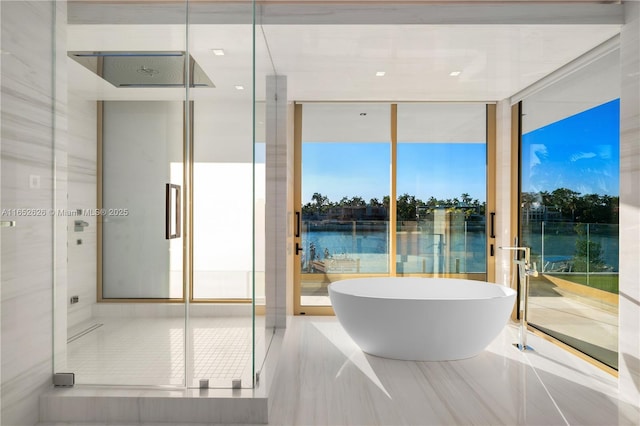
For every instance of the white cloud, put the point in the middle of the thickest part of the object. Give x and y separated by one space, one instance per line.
537 150
582 155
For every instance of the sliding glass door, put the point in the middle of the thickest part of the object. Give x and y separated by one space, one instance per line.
441 190
343 223
388 190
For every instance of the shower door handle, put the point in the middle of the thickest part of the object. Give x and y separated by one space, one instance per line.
170 217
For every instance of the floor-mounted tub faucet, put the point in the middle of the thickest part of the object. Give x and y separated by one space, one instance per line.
525 270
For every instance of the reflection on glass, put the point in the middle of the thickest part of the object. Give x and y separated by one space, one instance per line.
441 188
569 218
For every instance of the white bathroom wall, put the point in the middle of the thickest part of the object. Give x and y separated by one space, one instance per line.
82 194
26 155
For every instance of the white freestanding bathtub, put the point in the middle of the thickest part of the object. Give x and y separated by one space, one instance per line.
421 319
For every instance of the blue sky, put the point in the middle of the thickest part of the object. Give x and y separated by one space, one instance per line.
581 153
440 170
337 170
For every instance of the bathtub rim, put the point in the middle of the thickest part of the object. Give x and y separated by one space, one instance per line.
506 291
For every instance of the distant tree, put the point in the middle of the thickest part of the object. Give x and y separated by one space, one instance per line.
406 207
357 201
432 202
528 199
318 198
318 205
588 253
574 207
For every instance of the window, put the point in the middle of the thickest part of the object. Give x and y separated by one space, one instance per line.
569 207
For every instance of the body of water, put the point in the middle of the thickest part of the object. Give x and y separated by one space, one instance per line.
452 251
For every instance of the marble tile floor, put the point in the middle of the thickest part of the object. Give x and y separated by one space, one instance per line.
323 378
573 318
150 351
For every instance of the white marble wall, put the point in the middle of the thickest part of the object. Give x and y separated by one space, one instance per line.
278 217
629 338
82 169
27 182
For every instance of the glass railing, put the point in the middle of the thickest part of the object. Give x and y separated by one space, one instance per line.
334 250
428 247
337 249
345 247
575 296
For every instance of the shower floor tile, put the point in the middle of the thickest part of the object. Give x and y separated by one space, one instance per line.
151 351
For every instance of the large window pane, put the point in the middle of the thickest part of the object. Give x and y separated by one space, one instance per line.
569 207
345 195
441 188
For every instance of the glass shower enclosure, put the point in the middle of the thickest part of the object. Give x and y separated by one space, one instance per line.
157 195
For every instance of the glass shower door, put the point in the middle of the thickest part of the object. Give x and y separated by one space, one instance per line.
120 318
224 182
161 187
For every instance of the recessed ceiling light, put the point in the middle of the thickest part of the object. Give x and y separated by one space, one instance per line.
380 73
239 87
455 73
218 52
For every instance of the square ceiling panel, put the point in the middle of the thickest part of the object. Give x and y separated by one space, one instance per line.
152 69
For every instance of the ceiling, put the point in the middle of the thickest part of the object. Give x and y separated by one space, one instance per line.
339 62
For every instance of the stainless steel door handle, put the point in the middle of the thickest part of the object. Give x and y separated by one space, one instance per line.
169 235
